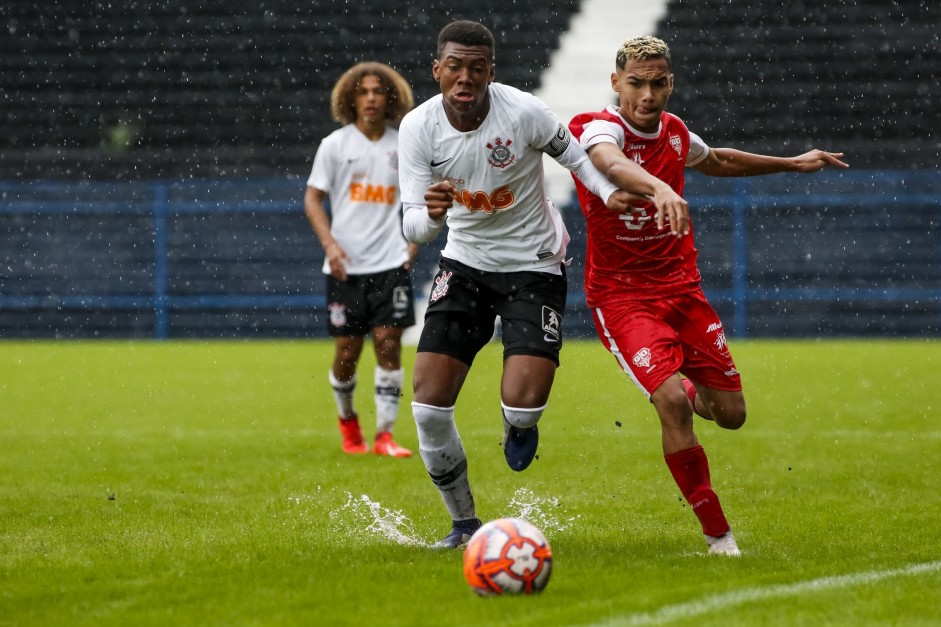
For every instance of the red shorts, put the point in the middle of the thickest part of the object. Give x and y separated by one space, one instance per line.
655 339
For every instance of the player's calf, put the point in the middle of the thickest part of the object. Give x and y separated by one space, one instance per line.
727 407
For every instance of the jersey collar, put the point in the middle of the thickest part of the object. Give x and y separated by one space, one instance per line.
614 111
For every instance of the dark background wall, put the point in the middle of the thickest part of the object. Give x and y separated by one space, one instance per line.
154 157
175 90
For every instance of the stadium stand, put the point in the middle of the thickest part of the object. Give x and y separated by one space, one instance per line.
153 157
854 75
177 90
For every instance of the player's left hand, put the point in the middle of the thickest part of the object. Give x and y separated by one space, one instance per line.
817 160
621 200
412 253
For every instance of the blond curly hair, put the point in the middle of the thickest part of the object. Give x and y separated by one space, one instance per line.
343 98
641 49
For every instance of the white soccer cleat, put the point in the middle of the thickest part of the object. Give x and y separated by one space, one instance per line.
723 545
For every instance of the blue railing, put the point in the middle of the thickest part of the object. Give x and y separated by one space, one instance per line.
915 192
160 248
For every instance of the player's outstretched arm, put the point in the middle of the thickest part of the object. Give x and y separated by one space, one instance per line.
629 176
731 162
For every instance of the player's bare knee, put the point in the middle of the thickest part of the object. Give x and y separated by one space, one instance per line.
672 406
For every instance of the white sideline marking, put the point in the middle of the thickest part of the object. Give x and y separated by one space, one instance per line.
683 611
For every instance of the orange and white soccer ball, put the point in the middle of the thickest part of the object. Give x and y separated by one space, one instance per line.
507 556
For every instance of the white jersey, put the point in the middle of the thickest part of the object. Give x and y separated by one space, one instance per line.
502 219
361 177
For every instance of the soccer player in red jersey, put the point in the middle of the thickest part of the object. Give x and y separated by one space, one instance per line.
471 158
641 278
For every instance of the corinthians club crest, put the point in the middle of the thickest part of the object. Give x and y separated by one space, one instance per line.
500 155
337 314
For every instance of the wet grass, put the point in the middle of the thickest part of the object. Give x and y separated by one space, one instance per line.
201 483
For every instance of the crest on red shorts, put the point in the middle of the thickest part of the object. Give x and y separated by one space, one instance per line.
642 358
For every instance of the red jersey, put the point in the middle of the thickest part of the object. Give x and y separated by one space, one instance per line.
627 255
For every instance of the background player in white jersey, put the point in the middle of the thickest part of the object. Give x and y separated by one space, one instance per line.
644 286
367 260
472 158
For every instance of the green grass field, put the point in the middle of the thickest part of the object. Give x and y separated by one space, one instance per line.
202 483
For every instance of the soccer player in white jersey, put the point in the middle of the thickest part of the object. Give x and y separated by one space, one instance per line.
367 260
643 286
471 158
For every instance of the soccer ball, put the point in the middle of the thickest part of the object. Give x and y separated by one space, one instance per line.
507 556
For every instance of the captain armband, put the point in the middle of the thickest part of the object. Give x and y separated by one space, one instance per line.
558 144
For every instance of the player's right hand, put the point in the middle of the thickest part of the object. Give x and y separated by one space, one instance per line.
438 199
672 208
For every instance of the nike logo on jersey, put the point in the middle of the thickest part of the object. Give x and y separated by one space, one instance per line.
435 164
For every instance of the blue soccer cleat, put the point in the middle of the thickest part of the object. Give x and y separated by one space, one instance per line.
519 445
461 532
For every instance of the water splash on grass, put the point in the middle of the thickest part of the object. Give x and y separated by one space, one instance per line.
543 511
362 514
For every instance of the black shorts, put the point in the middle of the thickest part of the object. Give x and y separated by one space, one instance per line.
464 303
365 301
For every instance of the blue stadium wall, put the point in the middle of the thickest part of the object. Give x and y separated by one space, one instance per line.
853 253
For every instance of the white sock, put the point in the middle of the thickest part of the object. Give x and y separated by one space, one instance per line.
522 417
443 453
388 392
343 395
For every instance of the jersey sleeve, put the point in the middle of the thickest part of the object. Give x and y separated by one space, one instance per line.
600 131
540 125
698 150
414 165
552 138
415 177
322 174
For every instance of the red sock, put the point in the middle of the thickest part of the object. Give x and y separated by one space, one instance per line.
690 470
690 393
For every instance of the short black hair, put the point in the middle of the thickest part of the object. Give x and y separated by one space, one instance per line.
467 33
